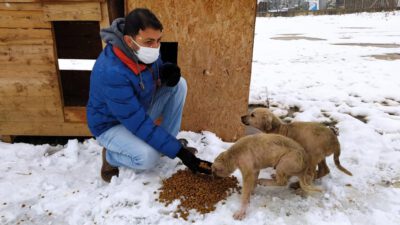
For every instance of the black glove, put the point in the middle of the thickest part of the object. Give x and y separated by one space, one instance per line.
170 74
193 163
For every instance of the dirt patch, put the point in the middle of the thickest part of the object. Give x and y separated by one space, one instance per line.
292 110
331 122
360 118
388 56
196 191
378 45
296 37
294 34
396 184
361 28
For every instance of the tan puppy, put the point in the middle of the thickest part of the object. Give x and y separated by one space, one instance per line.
252 153
318 140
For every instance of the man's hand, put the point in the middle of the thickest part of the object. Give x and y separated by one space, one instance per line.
192 162
170 74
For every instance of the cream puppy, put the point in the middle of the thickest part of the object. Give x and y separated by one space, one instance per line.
318 140
252 153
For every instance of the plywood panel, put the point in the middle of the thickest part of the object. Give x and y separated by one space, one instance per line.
23 19
75 114
67 11
215 40
32 87
40 128
25 36
26 55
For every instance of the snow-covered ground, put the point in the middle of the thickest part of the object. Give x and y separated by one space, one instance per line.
339 84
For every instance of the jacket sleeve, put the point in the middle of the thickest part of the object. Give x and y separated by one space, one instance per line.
124 105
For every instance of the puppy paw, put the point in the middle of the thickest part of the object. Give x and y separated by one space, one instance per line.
300 192
295 185
240 214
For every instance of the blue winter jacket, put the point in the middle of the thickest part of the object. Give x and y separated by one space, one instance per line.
116 97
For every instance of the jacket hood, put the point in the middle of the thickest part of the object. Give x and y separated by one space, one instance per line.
114 35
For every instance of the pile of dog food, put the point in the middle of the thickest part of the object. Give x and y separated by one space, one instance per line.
196 191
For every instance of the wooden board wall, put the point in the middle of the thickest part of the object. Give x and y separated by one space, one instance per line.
28 78
30 91
215 46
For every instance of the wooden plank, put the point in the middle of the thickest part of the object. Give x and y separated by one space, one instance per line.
40 128
75 114
105 19
40 1
23 19
20 1
32 87
7 138
28 71
74 1
25 36
26 54
21 6
72 11
30 102
28 115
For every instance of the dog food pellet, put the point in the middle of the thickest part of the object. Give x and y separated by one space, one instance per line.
196 191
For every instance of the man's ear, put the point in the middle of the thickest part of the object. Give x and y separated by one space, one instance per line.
130 43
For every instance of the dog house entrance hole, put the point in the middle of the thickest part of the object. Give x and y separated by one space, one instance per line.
78 44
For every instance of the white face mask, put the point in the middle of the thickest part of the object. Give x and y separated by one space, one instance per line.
146 54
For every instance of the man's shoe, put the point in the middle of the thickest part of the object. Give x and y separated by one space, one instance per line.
107 171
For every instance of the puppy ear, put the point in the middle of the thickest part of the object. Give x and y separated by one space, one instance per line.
267 123
276 122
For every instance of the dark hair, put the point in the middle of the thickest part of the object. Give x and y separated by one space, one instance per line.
140 19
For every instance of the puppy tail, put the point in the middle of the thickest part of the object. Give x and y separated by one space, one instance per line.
306 186
338 165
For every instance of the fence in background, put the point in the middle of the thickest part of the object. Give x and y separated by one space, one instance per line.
325 7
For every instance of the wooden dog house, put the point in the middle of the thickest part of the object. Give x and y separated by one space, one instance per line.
34 34
211 41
